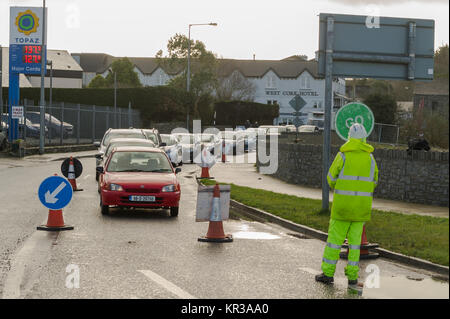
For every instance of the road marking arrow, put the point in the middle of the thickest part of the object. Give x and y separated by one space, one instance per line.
51 197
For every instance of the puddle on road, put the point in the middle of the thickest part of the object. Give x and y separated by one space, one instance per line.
254 235
407 288
245 233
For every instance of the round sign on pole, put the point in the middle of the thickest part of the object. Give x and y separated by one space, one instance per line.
354 112
55 192
78 167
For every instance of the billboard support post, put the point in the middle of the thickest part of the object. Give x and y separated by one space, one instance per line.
326 153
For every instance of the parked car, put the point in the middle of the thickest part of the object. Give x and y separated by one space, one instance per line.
172 148
53 124
139 177
188 145
118 133
210 141
308 129
32 129
154 136
101 158
234 142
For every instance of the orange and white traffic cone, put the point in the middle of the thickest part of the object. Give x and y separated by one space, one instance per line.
364 252
204 164
71 176
55 221
224 159
215 229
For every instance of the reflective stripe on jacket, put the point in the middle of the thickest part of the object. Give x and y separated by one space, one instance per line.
353 175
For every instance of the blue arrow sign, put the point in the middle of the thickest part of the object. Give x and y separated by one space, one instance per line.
297 102
55 192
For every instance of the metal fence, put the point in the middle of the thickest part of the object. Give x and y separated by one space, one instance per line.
68 123
385 133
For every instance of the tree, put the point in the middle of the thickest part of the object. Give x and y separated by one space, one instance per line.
441 62
383 106
235 88
126 76
98 82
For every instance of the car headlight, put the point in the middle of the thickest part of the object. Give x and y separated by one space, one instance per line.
116 187
169 188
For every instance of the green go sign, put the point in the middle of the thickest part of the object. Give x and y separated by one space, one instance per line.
354 112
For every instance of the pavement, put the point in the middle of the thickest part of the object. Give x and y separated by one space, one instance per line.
147 254
241 170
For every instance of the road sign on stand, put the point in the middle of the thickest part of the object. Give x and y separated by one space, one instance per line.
55 192
353 113
297 103
369 47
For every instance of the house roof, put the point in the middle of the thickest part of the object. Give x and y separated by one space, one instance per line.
288 68
435 87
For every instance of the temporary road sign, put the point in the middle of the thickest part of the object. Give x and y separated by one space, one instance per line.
76 165
55 192
350 113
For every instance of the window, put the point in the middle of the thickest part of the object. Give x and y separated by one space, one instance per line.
271 82
305 82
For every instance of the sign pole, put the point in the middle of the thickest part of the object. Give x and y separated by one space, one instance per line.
43 69
326 152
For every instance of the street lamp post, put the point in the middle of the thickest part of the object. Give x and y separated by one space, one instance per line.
188 80
43 69
115 96
50 62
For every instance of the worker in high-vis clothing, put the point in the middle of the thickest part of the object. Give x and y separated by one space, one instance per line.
354 176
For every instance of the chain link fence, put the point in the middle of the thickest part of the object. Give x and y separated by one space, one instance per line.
385 133
67 123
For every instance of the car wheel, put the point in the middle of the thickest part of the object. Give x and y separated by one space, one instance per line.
104 208
174 211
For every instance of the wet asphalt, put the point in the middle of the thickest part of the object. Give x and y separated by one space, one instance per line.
148 254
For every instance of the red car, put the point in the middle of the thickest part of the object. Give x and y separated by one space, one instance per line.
140 177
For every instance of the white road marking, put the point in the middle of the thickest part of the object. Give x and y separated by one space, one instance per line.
167 284
37 245
87 176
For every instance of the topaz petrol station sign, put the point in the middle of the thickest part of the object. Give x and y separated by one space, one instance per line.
27 51
26 40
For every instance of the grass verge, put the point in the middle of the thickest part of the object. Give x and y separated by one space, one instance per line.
412 235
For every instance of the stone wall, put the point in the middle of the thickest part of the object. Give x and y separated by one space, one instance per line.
422 177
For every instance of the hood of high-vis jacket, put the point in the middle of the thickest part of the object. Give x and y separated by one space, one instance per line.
354 144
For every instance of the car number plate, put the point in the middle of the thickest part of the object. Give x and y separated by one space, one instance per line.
135 198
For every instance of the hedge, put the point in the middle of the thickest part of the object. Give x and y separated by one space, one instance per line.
238 112
161 104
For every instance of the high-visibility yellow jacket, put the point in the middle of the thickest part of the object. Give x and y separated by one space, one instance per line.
354 176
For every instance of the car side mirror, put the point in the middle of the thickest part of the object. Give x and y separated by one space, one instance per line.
163 144
99 169
177 170
97 144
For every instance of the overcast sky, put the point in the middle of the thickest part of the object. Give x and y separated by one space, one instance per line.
270 29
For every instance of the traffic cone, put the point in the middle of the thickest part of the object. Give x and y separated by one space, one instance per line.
364 250
205 166
71 176
55 221
215 229
224 159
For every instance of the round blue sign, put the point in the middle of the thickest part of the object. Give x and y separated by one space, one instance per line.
55 192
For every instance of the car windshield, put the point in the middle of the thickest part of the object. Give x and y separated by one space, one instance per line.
228 135
127 143
152 136
134 161
205 138
168 139
185 139
113 134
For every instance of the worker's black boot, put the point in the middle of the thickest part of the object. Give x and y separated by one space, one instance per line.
355 287
324 279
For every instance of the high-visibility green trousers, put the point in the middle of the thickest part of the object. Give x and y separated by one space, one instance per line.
337 232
